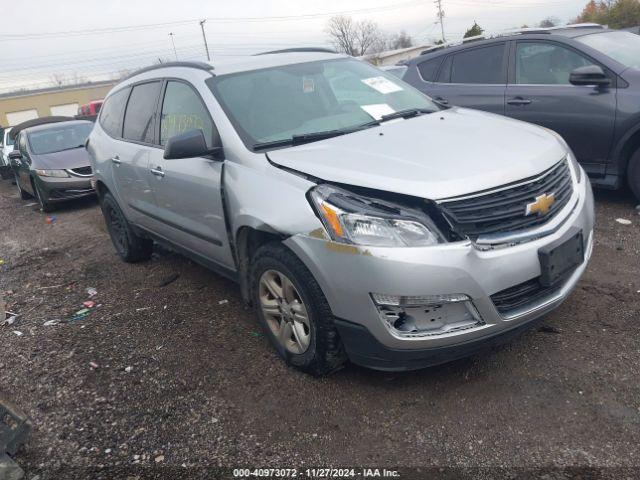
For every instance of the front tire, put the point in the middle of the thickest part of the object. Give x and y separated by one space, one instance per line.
131 247
45 206
294 311
23 195
633 174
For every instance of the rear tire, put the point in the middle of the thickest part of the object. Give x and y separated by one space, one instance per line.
322 351
633 174
131 247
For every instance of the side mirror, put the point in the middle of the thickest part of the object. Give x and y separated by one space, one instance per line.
15 155
589 75
189 145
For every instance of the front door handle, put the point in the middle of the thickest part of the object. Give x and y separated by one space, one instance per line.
116 159
157 172
519 101
442 100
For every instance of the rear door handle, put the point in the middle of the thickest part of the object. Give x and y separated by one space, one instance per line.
519 101
157 172
442 100
116 159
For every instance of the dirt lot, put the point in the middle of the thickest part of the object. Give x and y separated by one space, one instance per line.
206 389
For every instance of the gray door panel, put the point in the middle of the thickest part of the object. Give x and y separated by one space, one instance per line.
189 209
189 205
131 177
539 92
583 116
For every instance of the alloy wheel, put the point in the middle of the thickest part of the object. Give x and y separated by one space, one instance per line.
285 311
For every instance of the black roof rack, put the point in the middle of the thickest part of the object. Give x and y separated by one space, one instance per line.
198 65
35 123
299 50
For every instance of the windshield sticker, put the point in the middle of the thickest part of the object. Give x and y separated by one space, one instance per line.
308 85
378 110
382 85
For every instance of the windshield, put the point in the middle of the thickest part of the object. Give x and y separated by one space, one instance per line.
59 137
281 102
623 47
7 138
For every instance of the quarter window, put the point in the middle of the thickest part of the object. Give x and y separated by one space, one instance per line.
479 65
182 110
111 114
546 63
429 68
139 118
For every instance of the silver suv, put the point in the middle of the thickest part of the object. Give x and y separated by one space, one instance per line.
362 220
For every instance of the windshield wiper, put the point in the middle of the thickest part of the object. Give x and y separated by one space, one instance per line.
71 148
407 113
301 139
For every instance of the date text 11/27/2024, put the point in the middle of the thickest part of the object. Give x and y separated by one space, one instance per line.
315 473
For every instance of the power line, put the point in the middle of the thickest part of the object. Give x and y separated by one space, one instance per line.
129 28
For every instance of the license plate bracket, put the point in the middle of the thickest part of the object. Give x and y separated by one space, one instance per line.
560 257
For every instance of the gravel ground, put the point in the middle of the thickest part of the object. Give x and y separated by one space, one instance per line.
182 376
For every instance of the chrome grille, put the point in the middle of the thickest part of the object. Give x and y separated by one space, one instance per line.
505 209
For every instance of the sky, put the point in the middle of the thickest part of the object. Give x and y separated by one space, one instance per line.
71 40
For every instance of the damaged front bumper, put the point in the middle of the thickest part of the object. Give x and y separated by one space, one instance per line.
357 280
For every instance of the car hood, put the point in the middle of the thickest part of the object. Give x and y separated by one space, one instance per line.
76 158
435 156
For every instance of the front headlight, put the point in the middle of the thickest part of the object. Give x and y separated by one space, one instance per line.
359 220
52 173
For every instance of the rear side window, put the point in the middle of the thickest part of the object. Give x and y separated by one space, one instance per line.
445 72
111 114
480 65
182 110
429 68
139 117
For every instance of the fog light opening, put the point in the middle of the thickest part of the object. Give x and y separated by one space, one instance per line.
426 315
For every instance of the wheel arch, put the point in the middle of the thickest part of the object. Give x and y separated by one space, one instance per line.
625 148
248 239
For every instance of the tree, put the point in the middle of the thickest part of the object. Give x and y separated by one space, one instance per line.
549 22
614 13
355 38
400 40
474 31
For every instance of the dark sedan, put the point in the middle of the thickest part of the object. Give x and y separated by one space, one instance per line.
50 162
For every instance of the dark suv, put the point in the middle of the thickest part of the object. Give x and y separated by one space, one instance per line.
581 81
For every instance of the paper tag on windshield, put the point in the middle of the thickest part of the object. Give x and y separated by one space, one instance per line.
308 85
382 85
378 110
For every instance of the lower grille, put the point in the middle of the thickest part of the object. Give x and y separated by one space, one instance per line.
521 295
62 194
505 210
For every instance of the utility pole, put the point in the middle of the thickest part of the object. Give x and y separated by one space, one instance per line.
204 36
174 45
441 17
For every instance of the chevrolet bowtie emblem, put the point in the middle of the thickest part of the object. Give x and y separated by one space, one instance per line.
542 205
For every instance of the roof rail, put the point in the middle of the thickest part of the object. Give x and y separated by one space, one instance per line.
198 65
508 33
299 50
